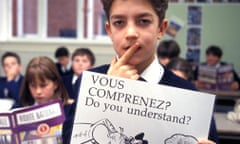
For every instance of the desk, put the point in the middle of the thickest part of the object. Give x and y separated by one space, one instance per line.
225 100
226 126
220 93
228 131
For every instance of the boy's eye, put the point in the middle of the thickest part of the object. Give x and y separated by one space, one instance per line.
85 61
118 23
76 60
143 21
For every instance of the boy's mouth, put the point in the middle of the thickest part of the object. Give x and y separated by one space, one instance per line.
130 47
138 48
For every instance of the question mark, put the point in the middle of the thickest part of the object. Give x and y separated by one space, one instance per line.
168 103
188 119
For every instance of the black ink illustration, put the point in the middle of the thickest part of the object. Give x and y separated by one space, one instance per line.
103 132
181 139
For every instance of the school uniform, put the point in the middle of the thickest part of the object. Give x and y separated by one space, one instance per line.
64 70
69 81
161 76
11 89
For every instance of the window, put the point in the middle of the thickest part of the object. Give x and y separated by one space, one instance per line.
53 18
25 18
74 19
62 18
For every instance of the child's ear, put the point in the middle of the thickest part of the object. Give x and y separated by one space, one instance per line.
108 29
163 28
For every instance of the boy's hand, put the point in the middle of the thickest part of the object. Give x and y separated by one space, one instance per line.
234 86
203 141
121 68
11 74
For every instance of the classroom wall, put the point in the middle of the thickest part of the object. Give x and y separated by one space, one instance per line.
220 26
27 49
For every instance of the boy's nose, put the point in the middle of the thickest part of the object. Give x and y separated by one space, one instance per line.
131 32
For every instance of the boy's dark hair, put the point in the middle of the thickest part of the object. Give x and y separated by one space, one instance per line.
214 50
61 51
168 49
84 51
160 7
11 54
182 65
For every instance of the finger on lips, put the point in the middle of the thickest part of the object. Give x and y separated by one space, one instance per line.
128 54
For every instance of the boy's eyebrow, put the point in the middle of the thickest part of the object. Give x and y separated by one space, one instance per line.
145 15
119 16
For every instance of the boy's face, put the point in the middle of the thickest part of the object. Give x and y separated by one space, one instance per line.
132 21
11 66
212 60
63 60
80 63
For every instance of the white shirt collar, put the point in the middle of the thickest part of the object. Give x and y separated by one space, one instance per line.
67 68
75 77
218 65
154 72
17 78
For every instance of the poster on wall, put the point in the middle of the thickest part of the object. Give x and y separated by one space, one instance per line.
174 26
193 55
194 30
194 36
117 110
194 15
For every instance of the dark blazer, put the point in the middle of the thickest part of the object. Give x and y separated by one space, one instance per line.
168 79
67 80
11 89
62 73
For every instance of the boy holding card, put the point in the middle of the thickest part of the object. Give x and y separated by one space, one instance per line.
135 26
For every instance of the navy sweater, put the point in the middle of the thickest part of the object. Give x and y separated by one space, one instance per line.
11 89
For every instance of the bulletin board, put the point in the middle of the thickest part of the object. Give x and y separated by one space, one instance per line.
219 25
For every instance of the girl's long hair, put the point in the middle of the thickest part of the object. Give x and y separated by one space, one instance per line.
41 68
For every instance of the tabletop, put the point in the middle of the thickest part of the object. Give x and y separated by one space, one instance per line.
226 126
